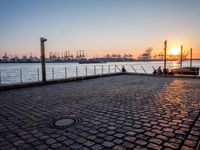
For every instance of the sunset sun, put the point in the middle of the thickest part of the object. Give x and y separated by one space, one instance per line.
175 51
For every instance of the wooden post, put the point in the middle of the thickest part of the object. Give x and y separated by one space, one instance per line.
165 56
42 40
191 57
181 57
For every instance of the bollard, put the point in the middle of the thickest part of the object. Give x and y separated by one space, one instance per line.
53 73
76 71
20 71
38 74
65 72
86 71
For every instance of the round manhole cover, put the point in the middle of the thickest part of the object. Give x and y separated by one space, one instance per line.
64 123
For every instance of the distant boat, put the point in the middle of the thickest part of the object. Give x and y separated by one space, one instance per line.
186 71
90 61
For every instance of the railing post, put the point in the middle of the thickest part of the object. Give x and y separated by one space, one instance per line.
108 69
0 78
153 68
144 70
102 70
65 72
133 69
53 73
76 71
86 71
94 70
20 71
38 74
115 68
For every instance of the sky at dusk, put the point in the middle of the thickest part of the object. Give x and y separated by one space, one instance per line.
99 26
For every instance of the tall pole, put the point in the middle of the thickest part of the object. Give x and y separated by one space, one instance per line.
42 40
191 57
181 56
165 55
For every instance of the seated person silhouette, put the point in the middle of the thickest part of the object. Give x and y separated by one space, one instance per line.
159 71
123 69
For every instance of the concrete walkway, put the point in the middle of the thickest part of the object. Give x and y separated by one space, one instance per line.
119 112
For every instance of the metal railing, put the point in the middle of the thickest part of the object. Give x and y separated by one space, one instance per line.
19 76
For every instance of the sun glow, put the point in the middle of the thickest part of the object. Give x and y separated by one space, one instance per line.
175 51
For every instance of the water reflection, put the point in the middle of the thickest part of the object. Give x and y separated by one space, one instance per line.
174 64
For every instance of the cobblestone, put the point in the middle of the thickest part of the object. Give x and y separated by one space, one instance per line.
108 144
118 112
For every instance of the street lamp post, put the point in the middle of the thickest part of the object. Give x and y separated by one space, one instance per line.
42 40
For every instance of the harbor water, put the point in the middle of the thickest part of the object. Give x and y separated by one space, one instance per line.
14 73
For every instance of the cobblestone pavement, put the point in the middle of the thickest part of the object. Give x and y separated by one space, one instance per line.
119 112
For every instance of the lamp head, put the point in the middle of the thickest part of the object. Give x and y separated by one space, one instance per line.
43 39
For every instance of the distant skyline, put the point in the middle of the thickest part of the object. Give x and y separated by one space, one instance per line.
99 26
